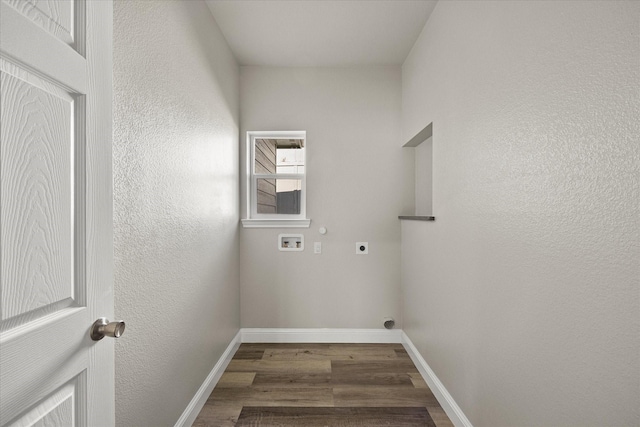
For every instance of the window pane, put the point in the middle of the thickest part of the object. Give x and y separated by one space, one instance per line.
279 196
265 156
282 156
290 160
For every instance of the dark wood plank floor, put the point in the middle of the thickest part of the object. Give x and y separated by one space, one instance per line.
322 385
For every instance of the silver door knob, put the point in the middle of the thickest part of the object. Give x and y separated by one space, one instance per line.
103 328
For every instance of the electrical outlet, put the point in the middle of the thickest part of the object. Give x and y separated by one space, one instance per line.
317 247
362 248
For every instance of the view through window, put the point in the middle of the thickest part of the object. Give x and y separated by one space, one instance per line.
278 176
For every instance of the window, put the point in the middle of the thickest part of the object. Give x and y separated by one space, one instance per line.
276 180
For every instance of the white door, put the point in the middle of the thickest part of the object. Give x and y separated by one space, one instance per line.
55 213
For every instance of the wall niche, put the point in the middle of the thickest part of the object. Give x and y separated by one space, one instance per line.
421 146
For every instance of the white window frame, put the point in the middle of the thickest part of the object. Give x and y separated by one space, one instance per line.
258 220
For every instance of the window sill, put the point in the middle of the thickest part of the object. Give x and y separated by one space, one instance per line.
276 223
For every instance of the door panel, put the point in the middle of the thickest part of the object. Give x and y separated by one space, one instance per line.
29 46
58 409
56 17
55 214
36 190
39 357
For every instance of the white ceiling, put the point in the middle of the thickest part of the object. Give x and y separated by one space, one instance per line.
321 32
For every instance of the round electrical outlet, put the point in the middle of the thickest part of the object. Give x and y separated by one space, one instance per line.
362 248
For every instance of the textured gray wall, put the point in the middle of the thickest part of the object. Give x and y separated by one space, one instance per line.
523 295
354 188
176 205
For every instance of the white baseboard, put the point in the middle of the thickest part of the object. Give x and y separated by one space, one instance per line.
200 398
457 417
359 336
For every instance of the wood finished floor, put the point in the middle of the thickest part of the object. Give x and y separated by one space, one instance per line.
322 385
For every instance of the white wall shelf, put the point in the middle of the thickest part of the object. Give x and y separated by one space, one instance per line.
417 217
